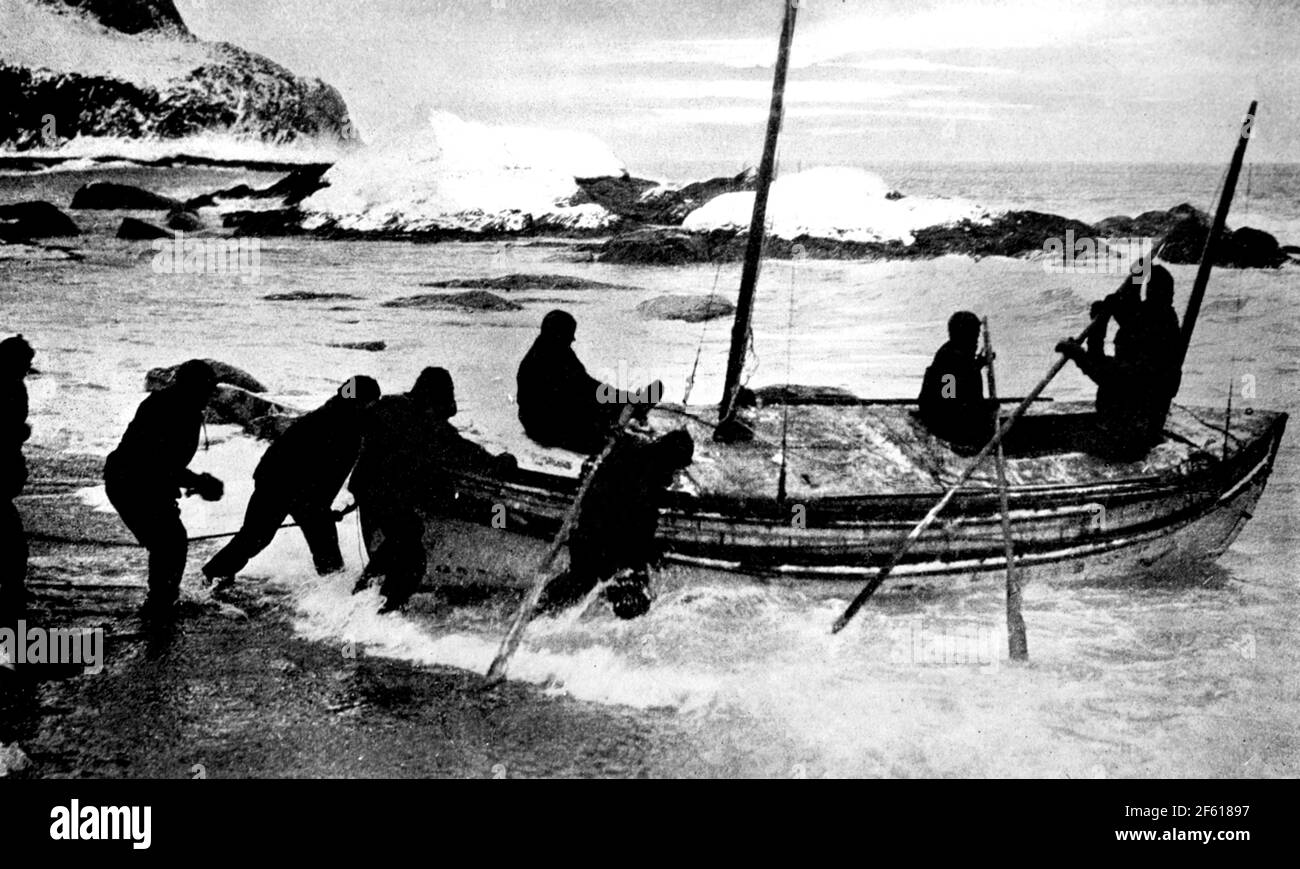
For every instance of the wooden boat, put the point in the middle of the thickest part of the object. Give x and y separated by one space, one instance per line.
827 484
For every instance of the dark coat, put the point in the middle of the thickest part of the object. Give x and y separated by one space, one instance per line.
14 432
952 402
308 464
616 524
155 452
559 401
406 449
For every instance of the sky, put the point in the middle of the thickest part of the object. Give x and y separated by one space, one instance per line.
670 83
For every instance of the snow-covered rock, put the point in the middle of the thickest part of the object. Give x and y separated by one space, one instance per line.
834 203
130 69
457 175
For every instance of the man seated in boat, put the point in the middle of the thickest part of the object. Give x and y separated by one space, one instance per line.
1136 385
952 402
408 445
560 404
613 536
300 476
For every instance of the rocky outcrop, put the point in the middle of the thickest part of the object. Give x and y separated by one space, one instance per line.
471 300
305 296
1185 229
290 190
138 230
691 309
20 221
368 346
110 196
186 221
516 282
168 84
157 378
234 406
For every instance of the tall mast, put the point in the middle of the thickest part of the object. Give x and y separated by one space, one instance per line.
1216 230
754 248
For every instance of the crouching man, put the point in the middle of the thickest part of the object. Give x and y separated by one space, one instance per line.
145 474
613 536
409 448
300 475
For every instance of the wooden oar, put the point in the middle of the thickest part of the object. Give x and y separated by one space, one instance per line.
1017 642
515 634
863 596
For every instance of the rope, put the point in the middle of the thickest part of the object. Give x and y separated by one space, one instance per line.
785 414
699 348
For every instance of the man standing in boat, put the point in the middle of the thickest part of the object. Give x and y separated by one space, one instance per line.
144 475
300 475
15 364
1136 385
560 404
613 536
952 402
408 445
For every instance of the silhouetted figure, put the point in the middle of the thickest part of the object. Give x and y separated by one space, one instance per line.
614 532
1136 385
952 402
408 446
560 404
15 364
300 475
1161 339
145 474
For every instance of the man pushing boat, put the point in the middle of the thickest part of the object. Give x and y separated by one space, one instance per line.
408 445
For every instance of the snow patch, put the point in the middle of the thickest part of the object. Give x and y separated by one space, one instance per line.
457 174
837 203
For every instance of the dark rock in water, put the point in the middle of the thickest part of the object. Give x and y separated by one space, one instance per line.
157 378
305 296
186 221
1149 224
1250 248
895 195
656 247
31 252
234 406
511 283
282 221
370 346
208 86
648 202
108 195
23 220
692 309
1184 241
291 189
471 300
1010 234
137 230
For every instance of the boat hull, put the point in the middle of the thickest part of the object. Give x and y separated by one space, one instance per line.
501 529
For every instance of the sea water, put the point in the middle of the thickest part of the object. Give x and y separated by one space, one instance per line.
1185 675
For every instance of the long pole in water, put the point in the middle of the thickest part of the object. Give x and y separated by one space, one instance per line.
1017 642
874 583
497 671
757 224
1216 231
